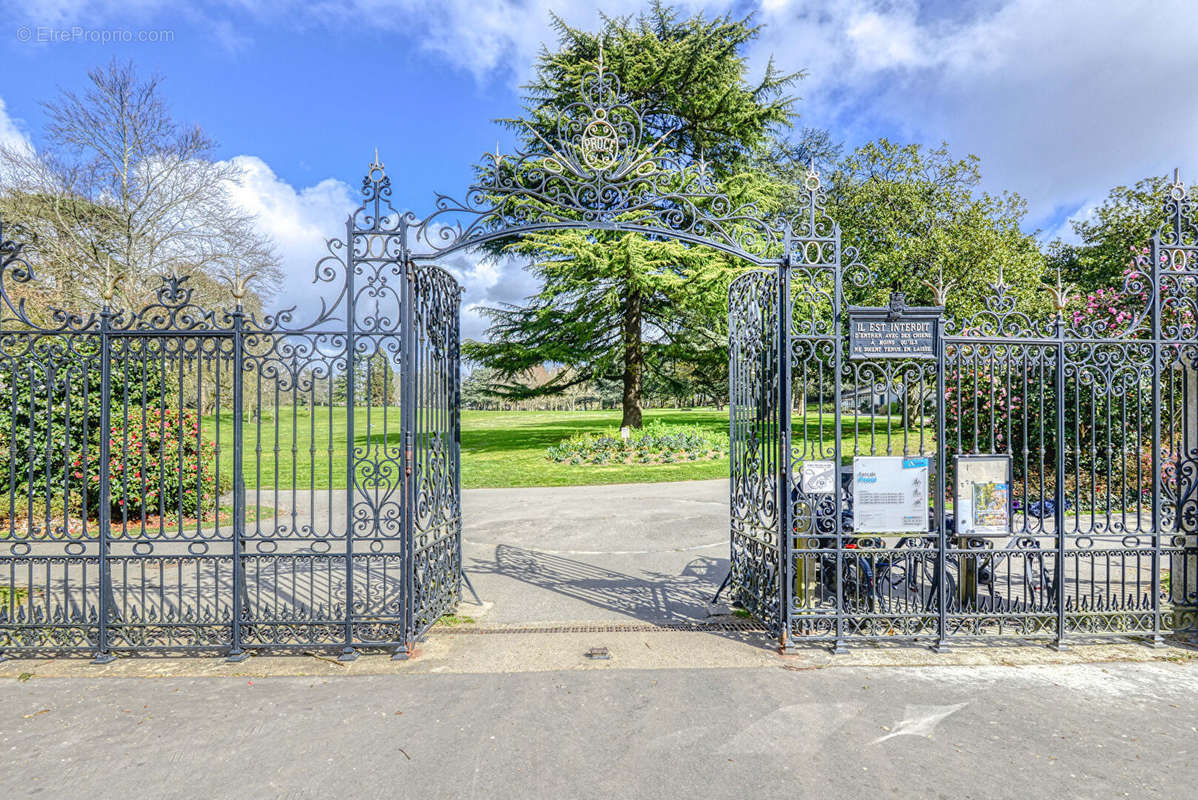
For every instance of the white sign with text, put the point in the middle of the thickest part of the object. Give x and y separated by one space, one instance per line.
890 494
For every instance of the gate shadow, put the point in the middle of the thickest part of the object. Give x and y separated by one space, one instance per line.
651 597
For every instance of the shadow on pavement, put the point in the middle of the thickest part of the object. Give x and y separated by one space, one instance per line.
651 597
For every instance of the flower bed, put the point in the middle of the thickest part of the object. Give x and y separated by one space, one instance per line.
656 443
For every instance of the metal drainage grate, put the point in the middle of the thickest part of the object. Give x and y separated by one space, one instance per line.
736 626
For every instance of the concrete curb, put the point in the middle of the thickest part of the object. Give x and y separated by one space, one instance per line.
450 652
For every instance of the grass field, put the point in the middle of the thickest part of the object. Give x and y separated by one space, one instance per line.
499 448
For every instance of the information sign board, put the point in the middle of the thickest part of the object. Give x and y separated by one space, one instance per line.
890 494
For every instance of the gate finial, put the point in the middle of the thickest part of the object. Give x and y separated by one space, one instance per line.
239 284
1059 293
940 288
811 179
377 171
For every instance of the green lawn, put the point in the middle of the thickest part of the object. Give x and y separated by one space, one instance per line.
304 449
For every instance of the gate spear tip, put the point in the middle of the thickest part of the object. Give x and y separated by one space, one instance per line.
376 166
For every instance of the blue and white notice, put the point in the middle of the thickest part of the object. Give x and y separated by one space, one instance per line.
890 494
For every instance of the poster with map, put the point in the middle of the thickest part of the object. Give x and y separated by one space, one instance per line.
982 504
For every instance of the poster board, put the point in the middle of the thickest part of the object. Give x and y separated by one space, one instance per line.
982 495
890 494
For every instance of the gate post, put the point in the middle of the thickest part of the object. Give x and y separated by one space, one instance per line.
351 316
1059 494
236 652
785 505
1157 455
407 417
941 643
103 648
837 444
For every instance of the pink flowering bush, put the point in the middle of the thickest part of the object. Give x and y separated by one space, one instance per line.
1005 402
160 466
1112 311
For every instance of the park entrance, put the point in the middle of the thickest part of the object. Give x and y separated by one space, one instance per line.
180 478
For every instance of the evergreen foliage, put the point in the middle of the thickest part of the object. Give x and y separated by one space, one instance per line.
614 306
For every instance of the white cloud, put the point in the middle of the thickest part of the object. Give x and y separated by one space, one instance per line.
1062 99
488 37
883 42
299 221
12 133
14 139
487 283
483 37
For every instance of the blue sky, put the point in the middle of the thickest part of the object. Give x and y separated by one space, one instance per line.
1062 100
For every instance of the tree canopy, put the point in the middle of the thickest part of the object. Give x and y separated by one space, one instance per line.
613 305
1125 220
122 189
916 217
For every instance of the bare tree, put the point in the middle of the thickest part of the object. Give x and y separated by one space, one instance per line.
121 189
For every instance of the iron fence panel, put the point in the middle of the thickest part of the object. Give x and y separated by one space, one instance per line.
180 478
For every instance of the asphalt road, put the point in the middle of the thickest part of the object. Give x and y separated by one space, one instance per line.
1060 731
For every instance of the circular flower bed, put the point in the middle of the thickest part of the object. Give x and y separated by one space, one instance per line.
656 443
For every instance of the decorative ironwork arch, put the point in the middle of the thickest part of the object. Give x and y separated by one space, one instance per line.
603 173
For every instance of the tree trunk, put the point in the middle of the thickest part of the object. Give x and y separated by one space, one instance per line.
634 362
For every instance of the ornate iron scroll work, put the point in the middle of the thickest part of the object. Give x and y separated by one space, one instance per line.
1102 427
601 172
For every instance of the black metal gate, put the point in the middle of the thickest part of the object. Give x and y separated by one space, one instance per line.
182 479
1093 421
757 446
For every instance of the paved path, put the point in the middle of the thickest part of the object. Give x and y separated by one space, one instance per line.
635 552
1062 731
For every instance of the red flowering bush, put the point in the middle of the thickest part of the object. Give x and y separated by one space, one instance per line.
158 465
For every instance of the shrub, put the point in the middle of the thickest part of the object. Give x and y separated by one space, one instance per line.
50 406
157 466
50 419
657 442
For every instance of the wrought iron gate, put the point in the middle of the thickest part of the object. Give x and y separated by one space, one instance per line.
181 479
757 446
1098 419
